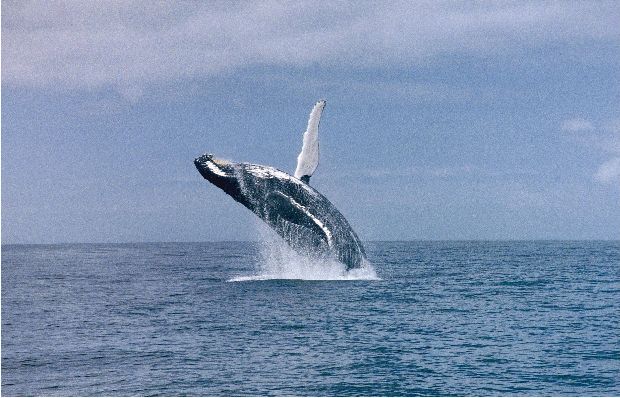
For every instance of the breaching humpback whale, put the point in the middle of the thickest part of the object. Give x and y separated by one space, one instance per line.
303 217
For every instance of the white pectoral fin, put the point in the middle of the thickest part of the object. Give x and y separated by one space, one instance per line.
308 159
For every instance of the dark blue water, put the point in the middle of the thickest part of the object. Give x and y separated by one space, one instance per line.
447 318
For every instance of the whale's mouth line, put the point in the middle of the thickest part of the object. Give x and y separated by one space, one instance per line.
208 164
215 169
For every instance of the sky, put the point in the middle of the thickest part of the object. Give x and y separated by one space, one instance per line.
444 120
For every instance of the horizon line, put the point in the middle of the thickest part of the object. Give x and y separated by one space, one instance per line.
258 241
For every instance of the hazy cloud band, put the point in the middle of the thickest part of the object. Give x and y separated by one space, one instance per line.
90 44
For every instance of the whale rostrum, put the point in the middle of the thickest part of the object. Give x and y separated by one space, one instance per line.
303 217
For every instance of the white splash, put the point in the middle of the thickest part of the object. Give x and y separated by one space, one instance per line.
279 261
308 158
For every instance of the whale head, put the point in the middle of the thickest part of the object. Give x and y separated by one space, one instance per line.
220 173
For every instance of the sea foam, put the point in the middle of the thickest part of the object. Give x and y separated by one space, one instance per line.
277 260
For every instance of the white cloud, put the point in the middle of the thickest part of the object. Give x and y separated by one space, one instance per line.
577 125
609 171
121 43
605 139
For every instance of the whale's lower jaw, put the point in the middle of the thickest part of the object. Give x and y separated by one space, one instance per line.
303 217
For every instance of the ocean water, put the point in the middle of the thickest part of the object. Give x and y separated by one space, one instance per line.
426 318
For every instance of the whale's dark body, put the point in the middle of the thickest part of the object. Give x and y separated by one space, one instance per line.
303 217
